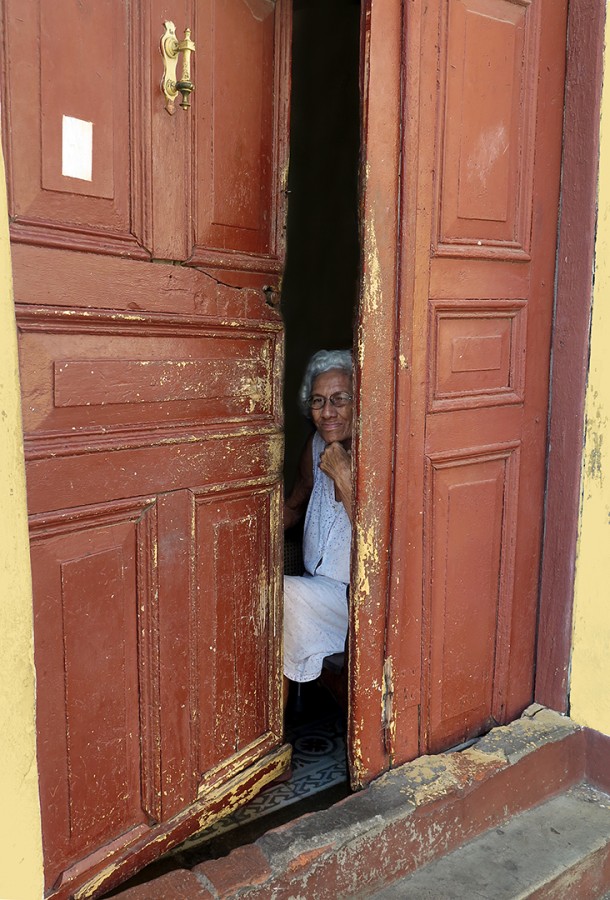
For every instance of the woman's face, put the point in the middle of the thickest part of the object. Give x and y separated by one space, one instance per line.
334 423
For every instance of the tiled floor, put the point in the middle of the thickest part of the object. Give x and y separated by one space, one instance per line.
318 763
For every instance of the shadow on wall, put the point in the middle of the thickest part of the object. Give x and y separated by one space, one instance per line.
320 286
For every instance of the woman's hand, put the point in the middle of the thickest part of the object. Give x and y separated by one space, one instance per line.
336 462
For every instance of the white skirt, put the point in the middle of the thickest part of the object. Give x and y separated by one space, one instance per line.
315 623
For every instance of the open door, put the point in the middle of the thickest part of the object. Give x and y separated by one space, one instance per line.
462 152
147 255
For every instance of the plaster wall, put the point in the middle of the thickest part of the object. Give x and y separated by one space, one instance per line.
590 676
21 869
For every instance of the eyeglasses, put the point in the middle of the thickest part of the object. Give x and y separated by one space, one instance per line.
338 400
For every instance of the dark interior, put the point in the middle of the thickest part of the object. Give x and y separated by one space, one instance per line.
320 286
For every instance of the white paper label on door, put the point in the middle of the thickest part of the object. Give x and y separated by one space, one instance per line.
77 148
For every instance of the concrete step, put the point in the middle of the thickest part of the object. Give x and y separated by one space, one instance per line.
560 849
524 808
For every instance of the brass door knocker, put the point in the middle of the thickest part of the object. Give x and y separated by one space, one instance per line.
171 47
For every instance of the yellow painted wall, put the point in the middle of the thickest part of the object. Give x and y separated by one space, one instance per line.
590 680
21 874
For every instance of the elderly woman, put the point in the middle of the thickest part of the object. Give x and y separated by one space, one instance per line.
315 604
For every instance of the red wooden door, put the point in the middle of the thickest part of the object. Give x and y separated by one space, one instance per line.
147 253
461 213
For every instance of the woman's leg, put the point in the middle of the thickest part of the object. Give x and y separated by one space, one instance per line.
315 624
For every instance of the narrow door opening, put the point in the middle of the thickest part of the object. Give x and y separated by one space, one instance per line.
319 300
319 304
320 285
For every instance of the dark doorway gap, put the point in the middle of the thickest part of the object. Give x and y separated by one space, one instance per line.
321 281
320 285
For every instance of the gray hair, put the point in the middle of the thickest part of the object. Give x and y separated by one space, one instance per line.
320 362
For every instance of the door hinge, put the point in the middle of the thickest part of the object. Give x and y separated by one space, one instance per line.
387 707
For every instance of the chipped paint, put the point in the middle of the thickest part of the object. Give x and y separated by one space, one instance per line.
372 289
357 767
432 778
96 883
217 802
275 455
367 561
284 187
387 708
596 429
365 568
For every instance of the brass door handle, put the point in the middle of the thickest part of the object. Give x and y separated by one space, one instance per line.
171 47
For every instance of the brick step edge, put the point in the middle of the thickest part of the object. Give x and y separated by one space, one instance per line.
401 821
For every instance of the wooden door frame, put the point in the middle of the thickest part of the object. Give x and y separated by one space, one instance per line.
374 388
379 360
570 348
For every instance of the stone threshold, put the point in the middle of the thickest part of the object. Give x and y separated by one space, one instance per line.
403 820
559 849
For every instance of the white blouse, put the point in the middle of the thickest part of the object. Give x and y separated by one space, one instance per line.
328 531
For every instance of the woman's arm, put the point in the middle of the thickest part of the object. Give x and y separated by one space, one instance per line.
295 505
336 462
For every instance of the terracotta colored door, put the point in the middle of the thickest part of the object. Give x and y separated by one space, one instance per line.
461 208
147 254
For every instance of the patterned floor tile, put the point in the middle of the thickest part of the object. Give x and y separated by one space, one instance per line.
318 763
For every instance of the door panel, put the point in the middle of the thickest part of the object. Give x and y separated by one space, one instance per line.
482 311
471 532
236 157
107 282
109 375
117 470
470 264
72 183
477 354
87 677
485 129
152 418
233 620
